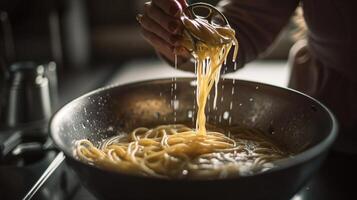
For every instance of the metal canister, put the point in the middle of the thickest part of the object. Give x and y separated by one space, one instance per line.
27 95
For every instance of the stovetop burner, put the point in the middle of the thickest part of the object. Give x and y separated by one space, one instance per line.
24 155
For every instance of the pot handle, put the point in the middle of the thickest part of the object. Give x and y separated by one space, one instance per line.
48 172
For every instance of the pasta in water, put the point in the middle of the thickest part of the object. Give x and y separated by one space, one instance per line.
178 151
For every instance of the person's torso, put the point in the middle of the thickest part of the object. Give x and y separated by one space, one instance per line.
332 32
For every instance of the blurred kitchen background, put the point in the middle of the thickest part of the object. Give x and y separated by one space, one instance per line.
94 43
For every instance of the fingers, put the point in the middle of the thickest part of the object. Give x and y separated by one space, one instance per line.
167 22
162 28
182 51
165 48
150 25
158 43
172 8
183 3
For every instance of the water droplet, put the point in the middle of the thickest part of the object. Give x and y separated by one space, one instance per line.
225 115
257 87
189 114
193 83
251 99
176 104
240 104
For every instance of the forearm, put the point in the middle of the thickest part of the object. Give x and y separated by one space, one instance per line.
257 24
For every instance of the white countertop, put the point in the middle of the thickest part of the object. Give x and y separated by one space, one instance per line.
271 72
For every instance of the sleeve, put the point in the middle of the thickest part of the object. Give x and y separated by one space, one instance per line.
257 23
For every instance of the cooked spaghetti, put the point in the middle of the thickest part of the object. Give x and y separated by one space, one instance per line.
210 52
177 151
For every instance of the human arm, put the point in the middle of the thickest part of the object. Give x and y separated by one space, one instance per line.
257 24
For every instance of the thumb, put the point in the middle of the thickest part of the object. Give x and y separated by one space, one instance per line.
183 3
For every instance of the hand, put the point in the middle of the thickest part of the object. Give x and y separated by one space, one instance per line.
162 28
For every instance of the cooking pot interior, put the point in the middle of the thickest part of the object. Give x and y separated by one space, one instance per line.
292 120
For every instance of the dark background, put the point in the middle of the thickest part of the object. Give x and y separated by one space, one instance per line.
80 33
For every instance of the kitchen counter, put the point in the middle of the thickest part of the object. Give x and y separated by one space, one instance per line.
271 72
